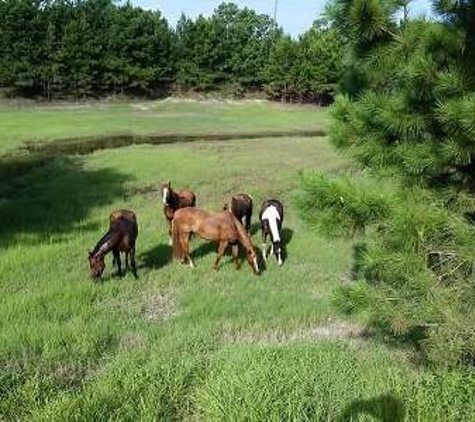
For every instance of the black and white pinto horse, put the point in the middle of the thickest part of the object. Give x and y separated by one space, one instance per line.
272 217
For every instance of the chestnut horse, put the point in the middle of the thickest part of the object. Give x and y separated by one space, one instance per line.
221 227
121 237
241 207
173 201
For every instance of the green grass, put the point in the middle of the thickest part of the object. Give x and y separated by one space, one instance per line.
190 344
46 123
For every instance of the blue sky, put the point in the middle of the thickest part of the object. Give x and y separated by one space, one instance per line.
294 15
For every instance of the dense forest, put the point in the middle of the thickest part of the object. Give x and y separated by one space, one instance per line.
59 48
406 111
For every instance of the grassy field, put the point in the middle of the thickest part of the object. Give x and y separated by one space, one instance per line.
45 123
182 344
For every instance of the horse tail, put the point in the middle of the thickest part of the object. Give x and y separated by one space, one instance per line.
177 250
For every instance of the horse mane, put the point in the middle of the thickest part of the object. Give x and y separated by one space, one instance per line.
241 232
101 242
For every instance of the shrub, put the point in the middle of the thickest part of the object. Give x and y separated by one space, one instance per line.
339 206
414 269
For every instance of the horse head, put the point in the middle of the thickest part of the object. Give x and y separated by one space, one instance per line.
96 265
166 189
251 258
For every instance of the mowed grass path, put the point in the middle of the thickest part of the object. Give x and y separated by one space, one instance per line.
181 344
62 121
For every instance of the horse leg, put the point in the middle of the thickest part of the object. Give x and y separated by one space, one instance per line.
221 248
132 262
126 261
235 249
188 240
170 240
264 245
185 245
117 261
248 223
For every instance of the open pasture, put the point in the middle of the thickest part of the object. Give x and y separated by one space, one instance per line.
45 123
182 344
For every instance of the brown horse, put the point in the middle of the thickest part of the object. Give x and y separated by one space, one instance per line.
221 227
128 215
121 237
173 201
241 207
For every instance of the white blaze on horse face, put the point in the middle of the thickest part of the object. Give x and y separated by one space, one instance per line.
272 215
280 259
165 195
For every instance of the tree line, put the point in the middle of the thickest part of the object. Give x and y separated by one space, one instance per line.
81 48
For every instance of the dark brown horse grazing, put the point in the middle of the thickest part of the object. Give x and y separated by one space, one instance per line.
173 201
114 216
241 207
121 237
221 227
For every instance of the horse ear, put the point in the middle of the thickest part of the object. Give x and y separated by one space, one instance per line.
169 183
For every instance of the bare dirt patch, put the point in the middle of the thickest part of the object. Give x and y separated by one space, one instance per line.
131 340
329 330
160 306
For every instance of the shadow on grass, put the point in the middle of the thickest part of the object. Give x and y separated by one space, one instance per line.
53 198
287 235
384 408
205 249
156 258
255 228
